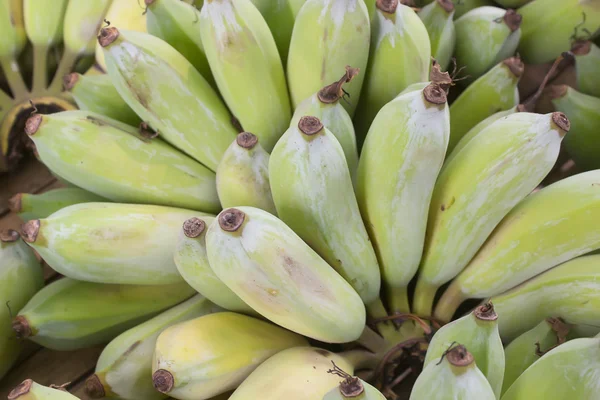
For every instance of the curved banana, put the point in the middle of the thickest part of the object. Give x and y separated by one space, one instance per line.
587 64
438 18
31 390
354 388
14 38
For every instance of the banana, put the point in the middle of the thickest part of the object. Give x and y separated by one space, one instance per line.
398 167
566 372
582 143
478 331
31 390
246 65
325 105
186 112
209 355
478 188
69 314
354 388
243 175
113 160
275 272
495 91
587 63
438 19
398 36
454 376
299 373
327 36
192 263
547 228
111 242
464 6
12 31
20 278
96 93
124 369
512 3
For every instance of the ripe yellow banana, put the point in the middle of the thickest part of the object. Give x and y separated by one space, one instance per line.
587 63
31 390
12 31
438 19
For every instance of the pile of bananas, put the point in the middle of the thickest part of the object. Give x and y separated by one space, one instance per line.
305 199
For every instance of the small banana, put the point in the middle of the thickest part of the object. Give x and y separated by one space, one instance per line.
31 390
192 263
181 105
124 369
243 175
547 228
209 355
246 65
68 314
354 388
478 188
12 31
327 36
587 63
275 272
464 6
438 19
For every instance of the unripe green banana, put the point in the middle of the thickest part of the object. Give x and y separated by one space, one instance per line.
246 65
275 272
582 143
69 314
12 31
398 35
464 6
20 278
209 355
192 263
398 167
299 373
327 36
243 175
478 331
31 390
325 105
124 369
547 228
587 64
186 112
454 376
478 188
113 160
438 19
493 92
354 388
569 371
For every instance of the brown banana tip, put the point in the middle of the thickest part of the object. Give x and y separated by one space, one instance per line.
163 381
33 124
193 227
70 80
561 120
108 35
436 75
94 387
515 65
388 6
351 387
435 94
447 5
334 92
459 356
310 125
9 236
21 327
231 219
246 140
512 19
23 388
30 230
15 203
581 47
485 312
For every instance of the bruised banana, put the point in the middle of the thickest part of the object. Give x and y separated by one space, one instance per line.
587 64
246 66
243 175
478 188
124 369
327 36
192 263
113 160
354 388
181 105
549 227
31 390
398 167
212 354
438 19
275 272
70 315
478 331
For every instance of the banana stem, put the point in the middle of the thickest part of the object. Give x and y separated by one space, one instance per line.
40 68
449 302
376 309
423 300
398 299
360 359
371 340
14 77
66 65
5 102
377 312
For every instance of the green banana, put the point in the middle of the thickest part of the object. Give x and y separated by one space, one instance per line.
275 272
478 331
587 63
299 373
398 167
478 188
212 354
96 93
547 228
354 388
243 175
582 144
181 105
111 242
398 35
20 278
493 92
113 160
464 6
192 263
246 65
455 376
14 38
31 390
438 19
69 314
327 36
124 369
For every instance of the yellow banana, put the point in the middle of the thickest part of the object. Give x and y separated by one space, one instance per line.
31 390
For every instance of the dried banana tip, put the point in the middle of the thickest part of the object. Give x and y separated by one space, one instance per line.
459 356
23 388
513 19
21 327
108 35
485 312
193 227
310 125
351 387
246 140
561 120
388 6
70 80
30 230
94 387
9 236
231 219
163 381
33 124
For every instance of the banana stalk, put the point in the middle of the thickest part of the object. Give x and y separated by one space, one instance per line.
438 19
31 390
587 64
